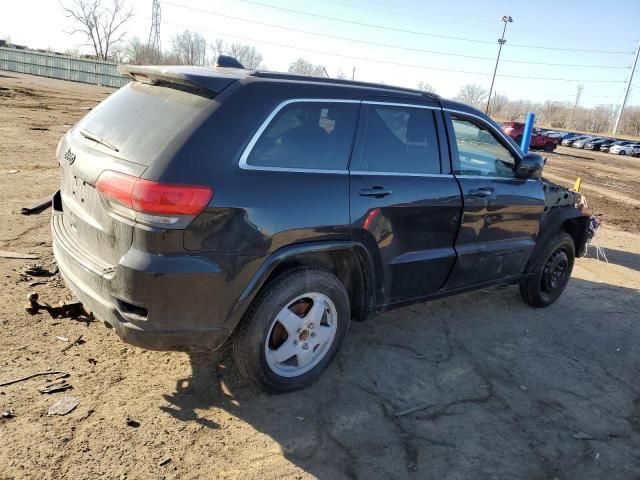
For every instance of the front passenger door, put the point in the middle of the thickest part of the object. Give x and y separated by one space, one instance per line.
502 213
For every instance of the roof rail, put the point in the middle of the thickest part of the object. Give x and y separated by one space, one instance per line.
336 81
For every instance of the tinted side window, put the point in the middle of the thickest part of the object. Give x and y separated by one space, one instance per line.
315 135
479 152
400 139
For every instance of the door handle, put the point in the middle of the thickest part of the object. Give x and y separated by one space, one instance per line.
377 192
481 192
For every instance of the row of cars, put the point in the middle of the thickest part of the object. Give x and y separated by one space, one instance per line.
547 140
591 142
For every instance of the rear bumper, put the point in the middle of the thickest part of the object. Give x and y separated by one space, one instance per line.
157 302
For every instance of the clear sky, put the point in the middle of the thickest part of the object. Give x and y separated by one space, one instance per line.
587 41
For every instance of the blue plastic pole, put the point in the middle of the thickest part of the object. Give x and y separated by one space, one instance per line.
528 129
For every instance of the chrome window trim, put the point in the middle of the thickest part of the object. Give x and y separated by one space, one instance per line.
396 104
489 126
256 136
400 174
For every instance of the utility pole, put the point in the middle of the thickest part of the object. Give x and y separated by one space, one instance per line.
626 92
575 105
501 41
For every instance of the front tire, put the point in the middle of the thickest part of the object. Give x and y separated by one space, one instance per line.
550 276
293 330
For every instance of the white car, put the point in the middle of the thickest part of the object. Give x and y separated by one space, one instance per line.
624 149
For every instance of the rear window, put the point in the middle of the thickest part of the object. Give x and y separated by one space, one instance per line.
400 140
141 120
307 135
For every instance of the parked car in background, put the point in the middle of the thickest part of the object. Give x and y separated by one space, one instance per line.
598 144
188 213
623 149
607 148
568 142
539 139
636 151
581 143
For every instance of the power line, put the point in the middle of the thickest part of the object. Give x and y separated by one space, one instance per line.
415 32
386 45
386 62
440 14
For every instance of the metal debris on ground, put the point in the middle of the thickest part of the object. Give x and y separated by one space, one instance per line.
62 339
583 436
37 206
11 172
37 270
407 411
8 413
57 310
164 461
63 406
18 255
77 341
58 386
33 375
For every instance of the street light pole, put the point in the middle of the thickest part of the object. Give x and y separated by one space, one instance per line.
506 19
626 93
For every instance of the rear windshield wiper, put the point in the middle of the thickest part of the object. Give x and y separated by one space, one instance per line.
99 140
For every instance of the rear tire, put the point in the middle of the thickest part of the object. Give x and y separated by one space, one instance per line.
551 275
549 147
293 330
622 152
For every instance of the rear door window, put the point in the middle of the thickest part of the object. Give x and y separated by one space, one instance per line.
400 139
307 135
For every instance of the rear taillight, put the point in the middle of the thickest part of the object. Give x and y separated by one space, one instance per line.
163 202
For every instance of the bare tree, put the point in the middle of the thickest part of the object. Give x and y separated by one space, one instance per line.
140 53
304 67
248 56
498 104
189 48
472 94
426 87
102 26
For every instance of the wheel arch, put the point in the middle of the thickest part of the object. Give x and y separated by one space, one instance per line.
558 219
348 260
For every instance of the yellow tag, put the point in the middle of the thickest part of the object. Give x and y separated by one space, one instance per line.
577 185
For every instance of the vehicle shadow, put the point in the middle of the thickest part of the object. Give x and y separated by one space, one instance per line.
620 257
474 386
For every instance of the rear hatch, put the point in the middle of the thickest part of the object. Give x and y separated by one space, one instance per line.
142 123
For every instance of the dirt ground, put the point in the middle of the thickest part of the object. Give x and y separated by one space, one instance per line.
508 391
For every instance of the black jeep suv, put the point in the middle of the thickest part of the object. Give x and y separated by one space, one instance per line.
199 204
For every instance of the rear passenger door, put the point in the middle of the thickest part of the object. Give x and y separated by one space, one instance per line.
502 213
405 203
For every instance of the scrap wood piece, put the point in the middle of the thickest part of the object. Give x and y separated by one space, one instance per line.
75 342
18 255
63 406
416 408
38 206
33 375
59 386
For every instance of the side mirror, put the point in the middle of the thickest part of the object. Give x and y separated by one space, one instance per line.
530 166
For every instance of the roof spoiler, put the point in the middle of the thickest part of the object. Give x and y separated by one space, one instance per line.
227 61
198 79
